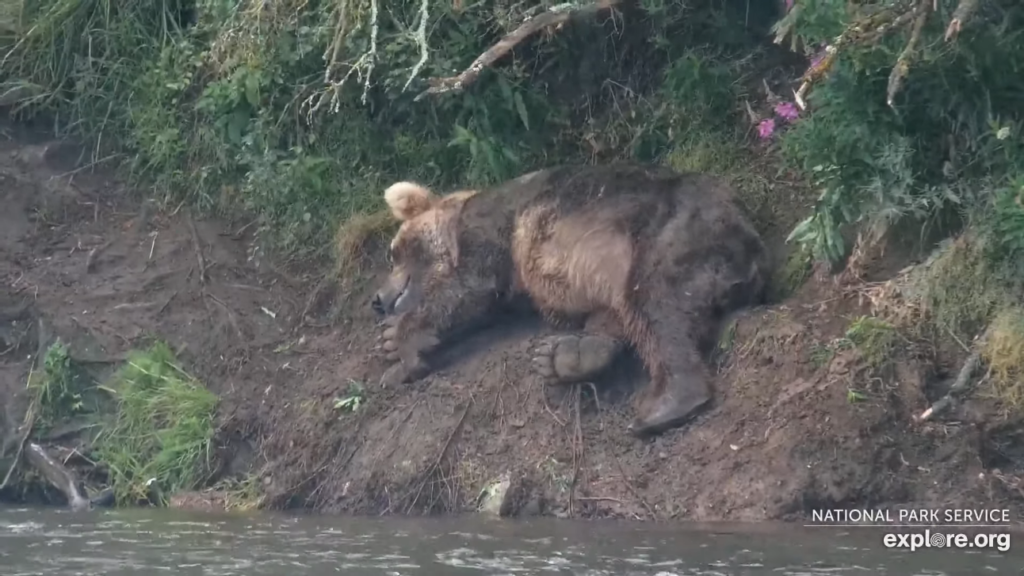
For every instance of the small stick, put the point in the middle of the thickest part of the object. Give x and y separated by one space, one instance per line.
29 423
166 304
152 246
440 456
198 249
90 260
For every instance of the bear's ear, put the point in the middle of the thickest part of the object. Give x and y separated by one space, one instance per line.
408 200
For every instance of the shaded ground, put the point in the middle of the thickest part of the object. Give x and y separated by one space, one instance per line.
106 273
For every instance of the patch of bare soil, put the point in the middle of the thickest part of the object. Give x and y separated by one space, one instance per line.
785 435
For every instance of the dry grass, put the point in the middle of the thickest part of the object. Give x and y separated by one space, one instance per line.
358 240
1003 350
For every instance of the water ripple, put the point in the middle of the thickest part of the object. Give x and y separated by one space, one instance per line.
57 543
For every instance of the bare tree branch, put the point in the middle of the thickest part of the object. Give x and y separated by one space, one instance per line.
554 16
902 67
964 10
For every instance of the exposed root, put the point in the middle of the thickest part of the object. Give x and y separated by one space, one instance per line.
555 16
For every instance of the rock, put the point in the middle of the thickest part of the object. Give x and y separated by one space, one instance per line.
494 497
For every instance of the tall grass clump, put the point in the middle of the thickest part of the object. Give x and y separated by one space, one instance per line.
159 440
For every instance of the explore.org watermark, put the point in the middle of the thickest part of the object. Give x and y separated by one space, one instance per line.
913 541
919 529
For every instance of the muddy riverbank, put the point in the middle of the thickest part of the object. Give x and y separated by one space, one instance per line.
800 421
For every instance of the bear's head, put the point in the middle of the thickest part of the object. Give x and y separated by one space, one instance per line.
424 254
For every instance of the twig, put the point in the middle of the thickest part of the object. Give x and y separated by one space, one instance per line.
599 499
497 395
200 259
632 490
554 16
231 316
577 451
421 39
87 166
440 457
29 423
166 304
90 260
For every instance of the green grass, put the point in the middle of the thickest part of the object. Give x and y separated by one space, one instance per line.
162 430
874 338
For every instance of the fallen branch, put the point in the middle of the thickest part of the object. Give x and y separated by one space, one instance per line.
959 385
555 15
867 30
57 475
902 67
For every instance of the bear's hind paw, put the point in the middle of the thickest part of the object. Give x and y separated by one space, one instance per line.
570 358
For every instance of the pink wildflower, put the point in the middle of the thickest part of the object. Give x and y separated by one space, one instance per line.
787 111
766 128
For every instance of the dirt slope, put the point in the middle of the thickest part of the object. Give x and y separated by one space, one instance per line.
783 438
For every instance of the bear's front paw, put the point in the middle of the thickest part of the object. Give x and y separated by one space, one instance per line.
568 358
395 375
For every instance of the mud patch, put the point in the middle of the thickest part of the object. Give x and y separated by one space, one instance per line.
784 435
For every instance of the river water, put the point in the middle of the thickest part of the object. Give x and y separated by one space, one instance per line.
38 542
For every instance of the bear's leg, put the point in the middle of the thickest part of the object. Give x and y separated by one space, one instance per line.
579 356
680 381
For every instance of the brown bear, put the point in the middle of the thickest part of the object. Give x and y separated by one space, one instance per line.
631 255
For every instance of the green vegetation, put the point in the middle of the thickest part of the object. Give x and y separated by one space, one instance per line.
874 338
153 440
352 401
58 391
162 429
232 104
300 112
